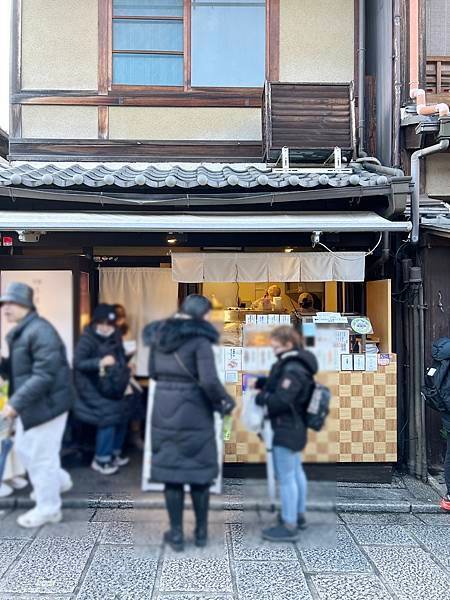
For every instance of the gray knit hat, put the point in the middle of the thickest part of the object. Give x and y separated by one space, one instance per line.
18 293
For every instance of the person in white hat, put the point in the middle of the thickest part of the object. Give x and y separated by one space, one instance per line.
40 396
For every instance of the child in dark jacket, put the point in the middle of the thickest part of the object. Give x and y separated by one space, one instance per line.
285 394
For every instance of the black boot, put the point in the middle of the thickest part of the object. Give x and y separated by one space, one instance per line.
200 501
174 495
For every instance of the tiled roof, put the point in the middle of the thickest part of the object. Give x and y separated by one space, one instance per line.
151 176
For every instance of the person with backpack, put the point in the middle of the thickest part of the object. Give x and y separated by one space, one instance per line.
286 394
102 376
188 391
437 396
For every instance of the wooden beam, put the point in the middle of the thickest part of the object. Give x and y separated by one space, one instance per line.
239 98
104 45
273 40
15 113
16 47
103 122
130 150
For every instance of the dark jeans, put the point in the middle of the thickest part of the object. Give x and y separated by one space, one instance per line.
446 424
109 441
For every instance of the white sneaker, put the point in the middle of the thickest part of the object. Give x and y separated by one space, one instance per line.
104 468
65 488
18 483
33 518
120 461
5 490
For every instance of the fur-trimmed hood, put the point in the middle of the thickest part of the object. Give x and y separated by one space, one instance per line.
168 335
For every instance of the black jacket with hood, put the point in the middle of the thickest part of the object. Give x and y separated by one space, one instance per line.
187 393
40 380
286 394
90 405
441 351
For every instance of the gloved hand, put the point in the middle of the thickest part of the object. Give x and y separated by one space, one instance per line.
260 399
228 405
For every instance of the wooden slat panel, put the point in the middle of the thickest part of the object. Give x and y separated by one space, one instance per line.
307 116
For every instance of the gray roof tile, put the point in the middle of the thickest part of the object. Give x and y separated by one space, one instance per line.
130 176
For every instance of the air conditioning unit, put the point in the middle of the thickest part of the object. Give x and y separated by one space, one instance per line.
311 119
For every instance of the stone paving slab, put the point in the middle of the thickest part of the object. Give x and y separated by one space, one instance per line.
350 587
120 572
386 535
258 580
380 518
48 566
344 556
411 572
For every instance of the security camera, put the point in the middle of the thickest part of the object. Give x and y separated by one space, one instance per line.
30 237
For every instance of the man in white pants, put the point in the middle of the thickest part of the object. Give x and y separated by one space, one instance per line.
40 395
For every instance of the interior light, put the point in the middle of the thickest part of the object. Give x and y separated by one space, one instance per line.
289 249
171 239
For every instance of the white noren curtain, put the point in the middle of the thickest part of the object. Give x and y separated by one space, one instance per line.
147 293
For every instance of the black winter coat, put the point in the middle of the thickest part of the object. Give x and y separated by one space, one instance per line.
90 405
286 394
183 434
40 381
441 351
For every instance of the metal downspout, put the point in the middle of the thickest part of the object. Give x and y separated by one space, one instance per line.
415 174
361 77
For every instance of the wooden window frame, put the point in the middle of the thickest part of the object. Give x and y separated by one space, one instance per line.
185 94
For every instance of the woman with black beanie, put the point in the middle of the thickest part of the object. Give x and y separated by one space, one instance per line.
188 392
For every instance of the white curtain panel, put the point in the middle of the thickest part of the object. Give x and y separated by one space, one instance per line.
349 266
216 266
187 268
283 267
147 293
268 266
252 267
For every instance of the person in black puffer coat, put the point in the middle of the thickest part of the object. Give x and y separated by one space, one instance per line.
286 394
99 363
441 352
187 393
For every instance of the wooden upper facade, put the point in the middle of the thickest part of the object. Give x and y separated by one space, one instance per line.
88 85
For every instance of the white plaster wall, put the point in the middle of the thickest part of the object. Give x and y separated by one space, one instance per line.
190 123
317 40
65 122
59 44
438 175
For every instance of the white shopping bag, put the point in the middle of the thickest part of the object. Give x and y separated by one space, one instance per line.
252 415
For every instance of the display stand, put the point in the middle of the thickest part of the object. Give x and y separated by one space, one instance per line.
147 484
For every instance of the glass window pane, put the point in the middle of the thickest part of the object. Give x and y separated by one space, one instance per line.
228 43
151 8
147 35
147 69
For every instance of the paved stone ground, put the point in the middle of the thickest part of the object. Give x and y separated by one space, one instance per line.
116 554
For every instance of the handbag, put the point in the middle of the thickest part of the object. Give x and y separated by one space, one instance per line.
114 381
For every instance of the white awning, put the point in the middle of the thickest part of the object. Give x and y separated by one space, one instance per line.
187 223
196 267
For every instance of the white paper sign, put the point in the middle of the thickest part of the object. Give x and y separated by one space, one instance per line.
233 358
371 362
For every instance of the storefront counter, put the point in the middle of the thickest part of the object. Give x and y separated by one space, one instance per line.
361 427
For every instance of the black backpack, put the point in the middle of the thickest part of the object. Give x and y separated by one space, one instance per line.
432 394
114 382
318 407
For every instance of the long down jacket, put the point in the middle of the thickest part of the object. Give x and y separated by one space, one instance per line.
183 434
90 406
286 393
40 381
